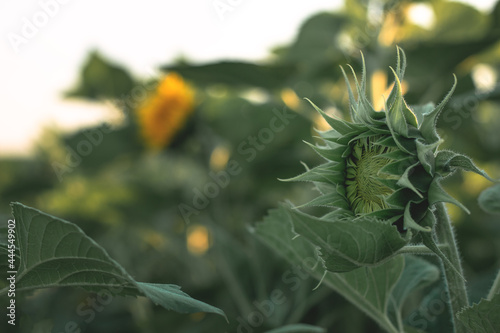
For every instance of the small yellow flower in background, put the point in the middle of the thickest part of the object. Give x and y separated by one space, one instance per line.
290 98
198 239
165 112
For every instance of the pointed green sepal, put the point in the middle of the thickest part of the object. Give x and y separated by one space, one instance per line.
421 110
401 197
448 161
425 155
409 222
330 154
339 125
332 199
428 126
404 180
395 117
324 173
437 194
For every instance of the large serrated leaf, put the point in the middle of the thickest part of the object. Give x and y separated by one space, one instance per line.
482 317
368 287
348 244
57 253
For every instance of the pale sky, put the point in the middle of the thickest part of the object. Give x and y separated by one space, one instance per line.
140 35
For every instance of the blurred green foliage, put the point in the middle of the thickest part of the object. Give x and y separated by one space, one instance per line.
127 198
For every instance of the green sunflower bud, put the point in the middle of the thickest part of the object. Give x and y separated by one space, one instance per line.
382 168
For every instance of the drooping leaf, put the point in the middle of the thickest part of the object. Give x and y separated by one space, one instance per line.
57 253
344 244
368 287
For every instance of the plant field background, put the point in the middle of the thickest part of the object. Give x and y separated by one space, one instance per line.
181 209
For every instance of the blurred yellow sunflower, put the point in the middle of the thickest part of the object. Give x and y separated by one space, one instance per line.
165 111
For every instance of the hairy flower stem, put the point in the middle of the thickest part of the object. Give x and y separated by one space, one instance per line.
454 281
419 249
495 289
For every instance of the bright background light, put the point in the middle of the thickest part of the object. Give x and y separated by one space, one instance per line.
139 35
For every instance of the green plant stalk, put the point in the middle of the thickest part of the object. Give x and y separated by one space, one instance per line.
454 281
419 249
495 288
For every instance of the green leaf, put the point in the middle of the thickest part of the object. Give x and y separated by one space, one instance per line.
368 288
4 262
348 244
101 78
171 297
57 253
482 317
489 200
235 74
312 50
298 328
418 273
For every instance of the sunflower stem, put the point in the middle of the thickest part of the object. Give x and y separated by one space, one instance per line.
455 283
495 288
419 249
